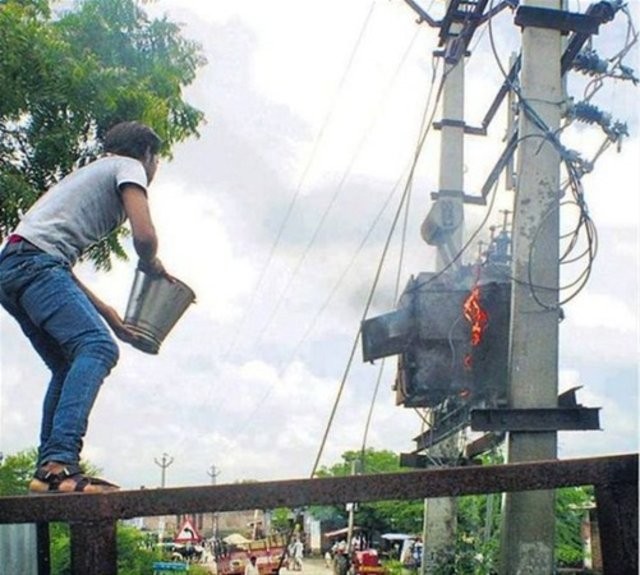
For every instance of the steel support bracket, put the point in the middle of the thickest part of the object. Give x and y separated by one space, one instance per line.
466 198
483 444
441 430
561 20
417 461
446 123
535 419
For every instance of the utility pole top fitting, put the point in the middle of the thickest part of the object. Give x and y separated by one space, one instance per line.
565 22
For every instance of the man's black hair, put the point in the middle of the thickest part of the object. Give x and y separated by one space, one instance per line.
131 139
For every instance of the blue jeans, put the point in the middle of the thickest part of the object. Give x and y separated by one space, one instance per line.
40 292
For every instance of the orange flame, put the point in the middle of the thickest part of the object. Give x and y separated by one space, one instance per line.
475 315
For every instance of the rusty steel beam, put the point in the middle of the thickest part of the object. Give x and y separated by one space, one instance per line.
449 482
617 511
535 419
94 548
42 548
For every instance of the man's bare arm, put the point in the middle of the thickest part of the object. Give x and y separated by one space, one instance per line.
110 315
145 240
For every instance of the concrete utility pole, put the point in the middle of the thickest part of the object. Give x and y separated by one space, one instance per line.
351 508
528 530
166 461
440 516
213 472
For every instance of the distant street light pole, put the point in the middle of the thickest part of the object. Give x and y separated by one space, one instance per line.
166 461
213 472
351 509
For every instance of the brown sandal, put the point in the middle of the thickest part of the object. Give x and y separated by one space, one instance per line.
68 479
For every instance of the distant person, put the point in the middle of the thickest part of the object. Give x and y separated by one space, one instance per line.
251 568
298 554
328 558
417 553
341 562
290 557
58 314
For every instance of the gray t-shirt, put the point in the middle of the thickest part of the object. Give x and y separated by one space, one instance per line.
81 209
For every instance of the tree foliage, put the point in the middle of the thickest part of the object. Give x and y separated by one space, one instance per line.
478 517
67 75
378 517
16 471
134 556
571 506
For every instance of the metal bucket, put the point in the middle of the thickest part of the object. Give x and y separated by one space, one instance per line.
155 306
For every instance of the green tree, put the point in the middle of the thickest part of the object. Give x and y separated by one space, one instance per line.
478 521
377 517
571 505
66 76
16 471
280 520
134 556
60 549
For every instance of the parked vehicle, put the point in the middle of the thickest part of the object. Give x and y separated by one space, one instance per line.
268 551
367 562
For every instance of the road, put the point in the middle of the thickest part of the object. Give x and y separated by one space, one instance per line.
310 566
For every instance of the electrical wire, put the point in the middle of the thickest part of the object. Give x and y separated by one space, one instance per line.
574 184
345 272
376 279
367 236
367 424
479 228
374 224
398 276
276 243
292 203
326 303
266 395
323 218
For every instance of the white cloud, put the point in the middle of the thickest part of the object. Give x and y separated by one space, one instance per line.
251 390
592 310
618 432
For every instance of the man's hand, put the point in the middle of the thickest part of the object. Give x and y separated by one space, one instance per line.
111 316
154 268
122 331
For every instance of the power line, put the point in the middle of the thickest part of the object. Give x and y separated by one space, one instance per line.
376 389
375 222
276 243
334 197
296 195
377 276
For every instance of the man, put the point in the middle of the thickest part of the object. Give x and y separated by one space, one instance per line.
251 568
341 560
59 315
298 554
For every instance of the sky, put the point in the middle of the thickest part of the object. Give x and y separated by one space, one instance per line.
314 110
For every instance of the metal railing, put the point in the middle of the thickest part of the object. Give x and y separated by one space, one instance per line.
93 518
